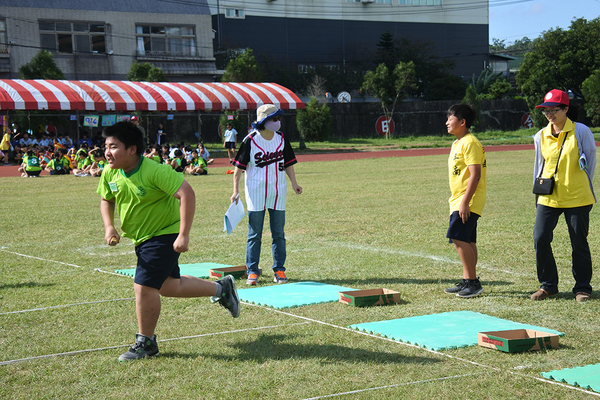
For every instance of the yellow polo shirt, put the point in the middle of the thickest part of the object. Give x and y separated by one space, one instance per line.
466 151
571 188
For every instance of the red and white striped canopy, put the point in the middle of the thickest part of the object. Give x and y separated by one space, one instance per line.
39 94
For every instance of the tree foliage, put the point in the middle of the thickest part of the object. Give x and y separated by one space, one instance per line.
390 87
41 66
145 72
471 99
560 59
314 122
591 91
243 68
518 48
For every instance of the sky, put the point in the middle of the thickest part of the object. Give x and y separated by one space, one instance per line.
514 19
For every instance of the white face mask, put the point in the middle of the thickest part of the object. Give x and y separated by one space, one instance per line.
273 126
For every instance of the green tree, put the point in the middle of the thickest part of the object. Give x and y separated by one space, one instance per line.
387 51
484 81
237 123
243 68
314 122
41 66
518 48
471 99
390 87
500 89
446 87
590 89
145 72
560 59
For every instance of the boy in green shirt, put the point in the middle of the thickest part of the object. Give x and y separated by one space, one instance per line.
156 207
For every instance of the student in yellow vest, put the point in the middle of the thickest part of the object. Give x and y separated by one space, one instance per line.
467 172
565 151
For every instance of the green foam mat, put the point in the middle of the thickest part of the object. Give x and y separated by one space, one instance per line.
199 270
587 377
443 331
290 295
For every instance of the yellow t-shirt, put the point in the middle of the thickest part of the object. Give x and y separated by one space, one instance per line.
466 151
571 187
5 145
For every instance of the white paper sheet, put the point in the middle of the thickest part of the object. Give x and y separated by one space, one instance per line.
233 216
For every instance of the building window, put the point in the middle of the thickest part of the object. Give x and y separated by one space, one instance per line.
73 37
165 40
383 1
234 13
3 46
420 2
305 69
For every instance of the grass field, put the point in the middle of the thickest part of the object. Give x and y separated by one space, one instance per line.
364 224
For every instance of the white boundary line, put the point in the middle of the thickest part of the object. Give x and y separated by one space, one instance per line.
65 305
281 312
41 259
423 348
393 386
71 353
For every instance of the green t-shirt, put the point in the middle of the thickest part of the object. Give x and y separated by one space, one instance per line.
144 199
32 163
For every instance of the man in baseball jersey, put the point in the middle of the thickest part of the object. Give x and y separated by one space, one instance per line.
265 155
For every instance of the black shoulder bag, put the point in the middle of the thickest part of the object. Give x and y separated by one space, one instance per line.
546 185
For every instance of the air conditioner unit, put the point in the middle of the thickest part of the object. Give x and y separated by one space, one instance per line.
367 1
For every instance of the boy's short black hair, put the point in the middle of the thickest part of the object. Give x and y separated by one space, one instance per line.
463 111
127 133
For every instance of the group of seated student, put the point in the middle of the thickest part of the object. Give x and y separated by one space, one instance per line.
181 158
62 161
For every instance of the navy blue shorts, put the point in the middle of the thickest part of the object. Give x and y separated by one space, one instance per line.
463 232
230 145
156 261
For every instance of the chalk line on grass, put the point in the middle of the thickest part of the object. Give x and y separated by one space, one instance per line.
417 254
423 348
38 258
66 305
393 386
72 353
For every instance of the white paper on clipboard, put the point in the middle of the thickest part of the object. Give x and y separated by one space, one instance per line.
233 216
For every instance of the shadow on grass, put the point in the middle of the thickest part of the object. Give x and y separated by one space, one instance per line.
283 347
24 285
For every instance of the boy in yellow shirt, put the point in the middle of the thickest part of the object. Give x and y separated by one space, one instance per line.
467 176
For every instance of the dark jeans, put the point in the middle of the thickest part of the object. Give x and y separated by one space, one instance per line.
578 222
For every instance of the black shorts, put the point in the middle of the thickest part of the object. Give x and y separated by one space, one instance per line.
464 232
33 173
157 260
230 145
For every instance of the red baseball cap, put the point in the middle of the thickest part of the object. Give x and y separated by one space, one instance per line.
133 118
554 98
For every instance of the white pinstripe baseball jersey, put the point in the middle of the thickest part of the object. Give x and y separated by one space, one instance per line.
265 162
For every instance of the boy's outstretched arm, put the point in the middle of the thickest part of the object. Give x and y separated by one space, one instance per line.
237 174
107 210
292 175
464 210
187 207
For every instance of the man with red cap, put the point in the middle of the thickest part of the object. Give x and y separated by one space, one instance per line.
565 157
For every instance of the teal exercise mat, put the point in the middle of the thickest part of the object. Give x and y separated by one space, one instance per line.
443 331
288 295
587 377
199 270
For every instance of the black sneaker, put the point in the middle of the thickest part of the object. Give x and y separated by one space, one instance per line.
143 347
472 288
455 289
229 297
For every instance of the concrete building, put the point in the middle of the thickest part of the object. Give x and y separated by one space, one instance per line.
336 32
95 40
